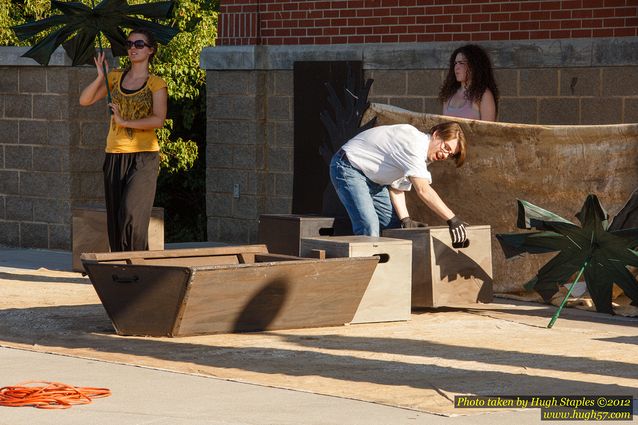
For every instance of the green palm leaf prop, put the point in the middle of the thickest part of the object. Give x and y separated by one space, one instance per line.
591 249
82 24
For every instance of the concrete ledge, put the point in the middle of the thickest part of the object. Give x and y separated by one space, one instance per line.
12 56
273 57
229 57
505 54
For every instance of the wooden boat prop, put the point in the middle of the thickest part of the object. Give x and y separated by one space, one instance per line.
225 289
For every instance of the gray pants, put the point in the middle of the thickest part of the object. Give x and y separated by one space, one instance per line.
130 180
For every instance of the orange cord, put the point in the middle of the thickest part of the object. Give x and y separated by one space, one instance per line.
54 395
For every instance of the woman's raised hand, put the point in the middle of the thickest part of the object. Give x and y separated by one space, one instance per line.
100 64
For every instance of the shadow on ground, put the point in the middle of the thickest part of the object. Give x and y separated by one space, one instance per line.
539 310
41 278
400 362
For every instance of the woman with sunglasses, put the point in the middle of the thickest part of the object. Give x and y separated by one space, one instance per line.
469 89
374 169
131 163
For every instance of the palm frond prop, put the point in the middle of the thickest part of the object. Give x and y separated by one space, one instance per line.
590 249
81 25
342 121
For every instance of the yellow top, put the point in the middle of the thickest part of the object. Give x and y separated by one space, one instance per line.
133 106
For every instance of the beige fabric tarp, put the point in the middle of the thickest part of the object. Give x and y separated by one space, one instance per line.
554 167
422 364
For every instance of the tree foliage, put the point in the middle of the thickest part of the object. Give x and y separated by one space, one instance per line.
181 188
14 12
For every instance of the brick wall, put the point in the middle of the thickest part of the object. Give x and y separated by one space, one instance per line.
51 151
292 22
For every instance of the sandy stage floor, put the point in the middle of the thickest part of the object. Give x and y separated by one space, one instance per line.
502 348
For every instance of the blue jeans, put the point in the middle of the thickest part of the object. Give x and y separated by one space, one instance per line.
368 203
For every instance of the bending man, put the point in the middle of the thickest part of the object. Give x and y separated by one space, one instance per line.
374 169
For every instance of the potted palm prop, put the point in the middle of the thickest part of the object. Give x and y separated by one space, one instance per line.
80 26
590 250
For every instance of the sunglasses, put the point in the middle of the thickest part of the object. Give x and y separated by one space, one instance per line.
139 44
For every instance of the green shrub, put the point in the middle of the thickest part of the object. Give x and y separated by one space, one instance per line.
181 185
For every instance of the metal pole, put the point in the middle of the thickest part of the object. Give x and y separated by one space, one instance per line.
569 292
106 79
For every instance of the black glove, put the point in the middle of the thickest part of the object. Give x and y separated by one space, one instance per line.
408 223
458 233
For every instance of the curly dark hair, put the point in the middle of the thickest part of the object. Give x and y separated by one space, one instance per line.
480 68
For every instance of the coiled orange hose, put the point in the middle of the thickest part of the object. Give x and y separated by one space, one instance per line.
53 395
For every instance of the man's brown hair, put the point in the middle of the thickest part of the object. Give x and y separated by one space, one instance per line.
452 130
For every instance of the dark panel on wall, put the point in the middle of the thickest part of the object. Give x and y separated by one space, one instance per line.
310 97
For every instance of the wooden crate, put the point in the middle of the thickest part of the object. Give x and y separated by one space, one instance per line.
388 295
446 276
282 233
227 289
89 231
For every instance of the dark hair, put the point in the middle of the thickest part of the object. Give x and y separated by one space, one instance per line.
452 130
150 39
480 70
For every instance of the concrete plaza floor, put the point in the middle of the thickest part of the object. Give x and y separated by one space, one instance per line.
151 396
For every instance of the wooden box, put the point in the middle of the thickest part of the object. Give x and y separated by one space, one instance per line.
446 276
388 295
90 234
282 233
225 289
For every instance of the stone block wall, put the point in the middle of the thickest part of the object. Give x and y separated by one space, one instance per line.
250 105
554 96
51 150
249 150
575 82
250 134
